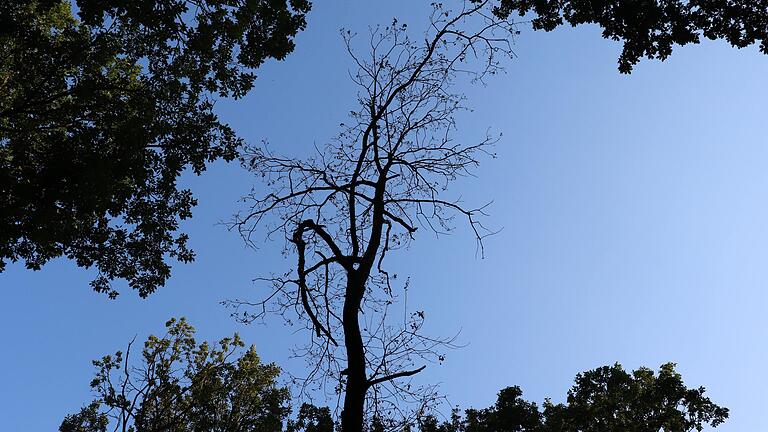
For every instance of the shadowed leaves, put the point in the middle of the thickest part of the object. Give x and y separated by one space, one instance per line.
651 28
100 115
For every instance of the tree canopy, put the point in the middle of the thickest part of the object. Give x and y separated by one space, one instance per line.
651 28
101 113
604 399
180 385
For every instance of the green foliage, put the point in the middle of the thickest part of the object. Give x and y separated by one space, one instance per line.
650 28
609 398
510 414
312 419
184 386
606 399
100 115
89 419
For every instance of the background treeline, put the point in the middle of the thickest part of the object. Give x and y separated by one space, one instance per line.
177 384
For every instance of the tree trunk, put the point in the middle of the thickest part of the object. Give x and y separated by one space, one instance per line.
352 415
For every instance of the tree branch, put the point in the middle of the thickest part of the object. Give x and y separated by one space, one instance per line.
402 374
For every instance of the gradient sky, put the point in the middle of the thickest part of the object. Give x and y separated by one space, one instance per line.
634 213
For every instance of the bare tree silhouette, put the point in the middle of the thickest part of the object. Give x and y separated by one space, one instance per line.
364 195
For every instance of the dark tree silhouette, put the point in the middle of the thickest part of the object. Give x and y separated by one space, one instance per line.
181 386
312 419
365 195
100 115
604 399
650 28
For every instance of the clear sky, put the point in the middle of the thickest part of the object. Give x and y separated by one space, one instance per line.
634 213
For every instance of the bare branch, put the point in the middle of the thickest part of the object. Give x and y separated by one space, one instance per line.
402 374
364 195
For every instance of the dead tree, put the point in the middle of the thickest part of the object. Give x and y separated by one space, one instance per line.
364 195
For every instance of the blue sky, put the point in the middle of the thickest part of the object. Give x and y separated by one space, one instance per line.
634 213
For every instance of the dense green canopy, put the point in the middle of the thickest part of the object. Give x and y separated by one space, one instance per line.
180 385
99 115
605 399
650 28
